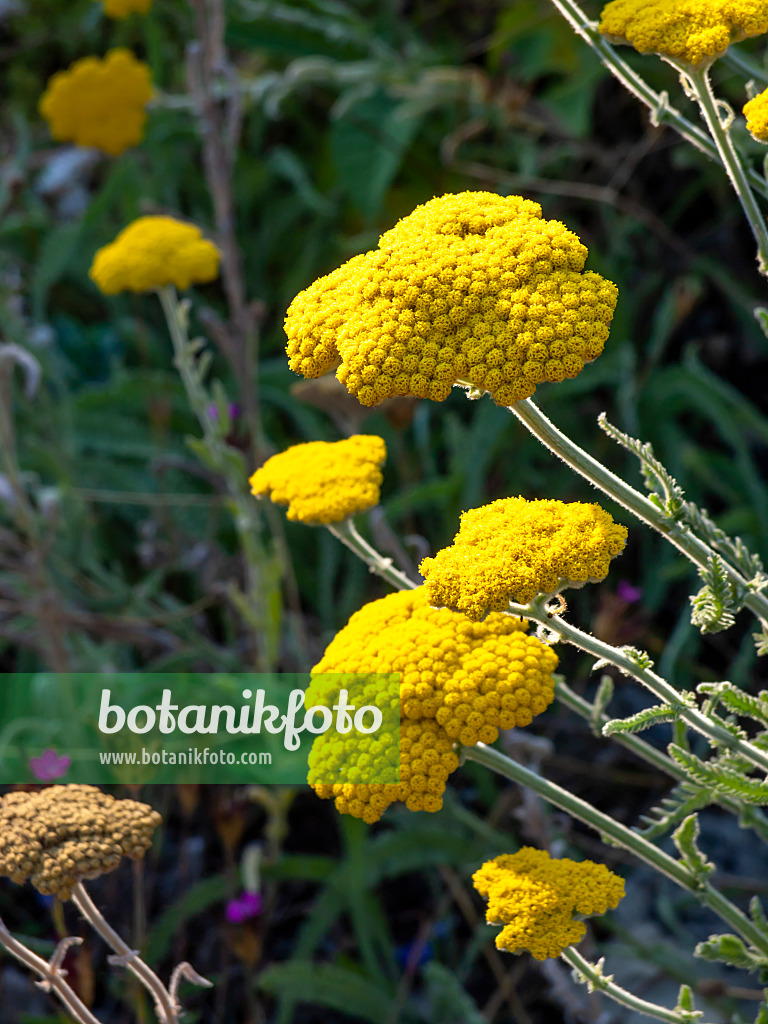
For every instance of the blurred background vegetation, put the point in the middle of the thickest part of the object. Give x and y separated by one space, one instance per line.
122 553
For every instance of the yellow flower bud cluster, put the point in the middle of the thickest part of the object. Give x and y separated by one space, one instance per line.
756 113
98 102
472 287
535 898
460 680
57 837
514 549
153 252
322 481
122 8
692 31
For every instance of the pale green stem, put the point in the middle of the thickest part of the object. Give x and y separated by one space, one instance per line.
613 831
747 814
659 687
658 103
720 131
346 532
682 538
593 976
242 506
166 1010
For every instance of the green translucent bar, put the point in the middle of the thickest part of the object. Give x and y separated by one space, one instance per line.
139 728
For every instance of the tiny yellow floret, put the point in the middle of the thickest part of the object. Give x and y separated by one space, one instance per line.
153 252
470 288
692 31
514 549
99 103
323 482
535 897
756 113
460 681
122 8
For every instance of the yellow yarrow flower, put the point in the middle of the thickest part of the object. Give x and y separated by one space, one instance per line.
514 549
153 252
473 287
322 481
756 113
122 8
99 103
692 31
535 898
460 681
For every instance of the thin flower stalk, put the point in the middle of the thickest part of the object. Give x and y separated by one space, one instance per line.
614 831
592 975
680 536
347 533
657 102
129 958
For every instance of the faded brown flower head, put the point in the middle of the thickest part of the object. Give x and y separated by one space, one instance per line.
57 837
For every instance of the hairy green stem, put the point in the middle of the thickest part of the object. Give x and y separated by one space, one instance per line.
658 103
680 536
613 831
701 86
242 505
592 975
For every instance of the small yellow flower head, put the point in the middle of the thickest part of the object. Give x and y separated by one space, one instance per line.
322 481
535 898
472 678
692 31
152 252
427 758
472 287
756 113
122 8
514 549
98 102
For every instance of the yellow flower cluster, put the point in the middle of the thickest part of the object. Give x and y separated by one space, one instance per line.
461 680
472 287
535 898
322 481
122 8
153 252
692 31
756 113
98 102
514 549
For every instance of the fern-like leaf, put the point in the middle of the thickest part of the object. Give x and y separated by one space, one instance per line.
658 480
642 720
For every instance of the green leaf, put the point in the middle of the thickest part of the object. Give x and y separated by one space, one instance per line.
642 720
716 604
730 949
449 1003
685 837
338 988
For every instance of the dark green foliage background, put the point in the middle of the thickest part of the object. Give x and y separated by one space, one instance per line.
356 112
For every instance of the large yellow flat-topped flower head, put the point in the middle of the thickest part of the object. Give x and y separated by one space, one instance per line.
535 897
472 287
153 252
99 103
122 8
692 31
756 113
323 482
514 549
460 681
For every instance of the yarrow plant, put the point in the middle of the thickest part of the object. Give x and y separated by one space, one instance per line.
99 103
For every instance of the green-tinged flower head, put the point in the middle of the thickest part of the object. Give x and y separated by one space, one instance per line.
324 481
514 549
473 287
460 681
692 31
756 113
535 897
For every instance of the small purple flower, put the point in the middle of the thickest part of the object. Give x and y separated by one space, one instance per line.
233 411
49 765
247 904
628 593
